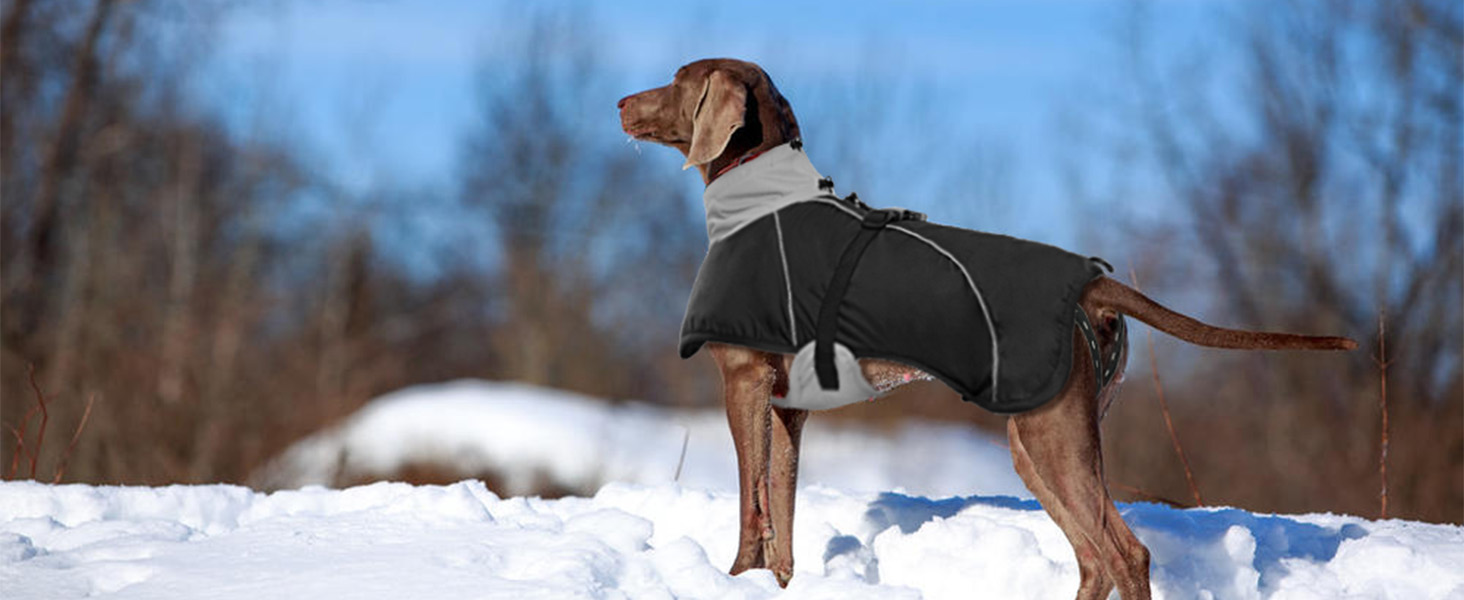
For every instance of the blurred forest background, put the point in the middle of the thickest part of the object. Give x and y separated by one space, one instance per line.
214 295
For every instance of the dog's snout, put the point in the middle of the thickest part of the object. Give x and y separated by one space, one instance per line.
631 102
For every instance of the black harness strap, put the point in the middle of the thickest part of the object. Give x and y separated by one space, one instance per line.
828 310
1104 367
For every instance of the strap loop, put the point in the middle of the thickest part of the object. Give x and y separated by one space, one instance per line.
1104 367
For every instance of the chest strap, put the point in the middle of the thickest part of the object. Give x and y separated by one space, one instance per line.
828 311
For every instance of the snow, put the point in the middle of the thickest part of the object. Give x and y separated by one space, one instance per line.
646 536
523 434
393 540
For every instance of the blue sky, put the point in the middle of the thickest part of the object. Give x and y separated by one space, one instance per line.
382 91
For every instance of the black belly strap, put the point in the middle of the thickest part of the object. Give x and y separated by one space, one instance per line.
828 311
1104 367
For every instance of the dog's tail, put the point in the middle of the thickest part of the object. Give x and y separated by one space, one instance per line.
1109 292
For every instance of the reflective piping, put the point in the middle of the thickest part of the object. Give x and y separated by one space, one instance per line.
990 326
1081 318
787 279
831 201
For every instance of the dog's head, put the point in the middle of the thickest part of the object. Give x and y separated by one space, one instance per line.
714 111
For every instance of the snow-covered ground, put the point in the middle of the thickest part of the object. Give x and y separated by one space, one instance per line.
393 541
655 538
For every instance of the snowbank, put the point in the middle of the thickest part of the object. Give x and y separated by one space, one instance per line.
394 541
524 435
647 536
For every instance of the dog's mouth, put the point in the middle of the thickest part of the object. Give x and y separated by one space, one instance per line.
633 127
641 129
645 133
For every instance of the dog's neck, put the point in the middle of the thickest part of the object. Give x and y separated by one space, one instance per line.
779 176
737 162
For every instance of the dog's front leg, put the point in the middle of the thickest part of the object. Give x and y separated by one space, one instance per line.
747 380
786 433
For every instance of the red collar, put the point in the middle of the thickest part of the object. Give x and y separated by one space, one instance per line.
739 162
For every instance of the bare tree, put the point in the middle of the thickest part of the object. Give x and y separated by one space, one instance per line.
1320 184
136 269
592 248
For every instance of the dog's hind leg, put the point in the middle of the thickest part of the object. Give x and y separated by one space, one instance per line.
1093 581
1061 440
747 381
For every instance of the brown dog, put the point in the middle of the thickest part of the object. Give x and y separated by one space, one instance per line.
720 112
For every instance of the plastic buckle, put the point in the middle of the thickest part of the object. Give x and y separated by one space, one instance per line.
877 219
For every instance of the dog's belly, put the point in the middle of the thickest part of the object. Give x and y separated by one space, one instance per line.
883 375
887 375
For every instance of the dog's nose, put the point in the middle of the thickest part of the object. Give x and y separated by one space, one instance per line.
621 104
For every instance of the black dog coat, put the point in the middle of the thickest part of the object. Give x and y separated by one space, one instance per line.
989 315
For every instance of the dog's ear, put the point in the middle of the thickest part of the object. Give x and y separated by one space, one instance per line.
720 112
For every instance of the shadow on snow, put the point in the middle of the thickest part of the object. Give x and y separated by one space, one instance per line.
1206 548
